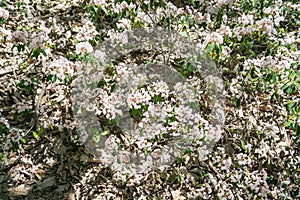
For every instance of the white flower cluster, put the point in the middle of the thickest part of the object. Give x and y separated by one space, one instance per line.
60 67
13 134
246 19
107 102
86 30
267 26
83 48
4 13
223 2
158 116
38 41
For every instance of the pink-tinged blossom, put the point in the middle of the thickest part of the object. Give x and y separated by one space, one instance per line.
84 47
86 30
61 67
98 2
160 88
256 181
25 1
278 19
37 43
214 37
139 97
239 32
246 19
19 36
284 64
180 11
225 30
124 23
223 2
267 26
119 7
141 16
225 52
122 72
243 159
107 105
121 69
76 2
199 17
4 14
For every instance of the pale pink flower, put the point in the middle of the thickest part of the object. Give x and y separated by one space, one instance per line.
199 17
25 1
139 97
121 6
223 2
121 69
124 23
75 2
284 64
36 43
246 19
86 30
122 72
241 31
100 55
61 67
214 37
181 11
98 2
19 36
225 30
4 14
243 159
267 26
278 19
225 53
84 47
160 88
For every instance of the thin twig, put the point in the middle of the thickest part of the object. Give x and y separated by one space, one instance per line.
36 112
7 71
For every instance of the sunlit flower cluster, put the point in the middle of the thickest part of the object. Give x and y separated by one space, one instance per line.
60 67
83 48
4 13
85 30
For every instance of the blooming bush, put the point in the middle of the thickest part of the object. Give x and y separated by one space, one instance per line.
45 45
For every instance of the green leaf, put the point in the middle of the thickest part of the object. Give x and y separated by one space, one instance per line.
20 48
36 135
36 52
187 151
43 52
23 140
250 42
289 124
146 151
286 85
210 47
243 144
142 131
104 133
96 137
